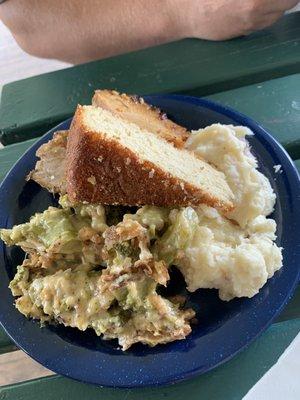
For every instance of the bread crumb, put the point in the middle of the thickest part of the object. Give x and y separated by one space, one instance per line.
127 161
92 180
151 173
277 168
134 98
100 159
118 169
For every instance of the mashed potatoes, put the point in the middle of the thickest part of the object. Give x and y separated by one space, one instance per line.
235 253
224 256
225 147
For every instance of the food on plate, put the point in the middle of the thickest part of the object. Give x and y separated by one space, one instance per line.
114 311
132 203
111 161
134 109
50 170
130 108
68 233
234 252
224 256
84 274
226 147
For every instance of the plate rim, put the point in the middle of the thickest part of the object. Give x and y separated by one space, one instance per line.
241 119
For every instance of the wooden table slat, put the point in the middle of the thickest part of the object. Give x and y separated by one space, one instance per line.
222 383
10 154
30 106
275 104
297 163
6 344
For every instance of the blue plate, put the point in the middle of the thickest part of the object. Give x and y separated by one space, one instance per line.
224 328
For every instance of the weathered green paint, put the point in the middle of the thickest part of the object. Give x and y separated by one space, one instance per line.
5 343
230 381
297 163
31 106
275 104
292 310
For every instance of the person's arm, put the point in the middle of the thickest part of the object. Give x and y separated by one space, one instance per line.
78 31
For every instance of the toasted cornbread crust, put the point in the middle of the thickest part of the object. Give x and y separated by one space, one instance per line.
101 170
134 109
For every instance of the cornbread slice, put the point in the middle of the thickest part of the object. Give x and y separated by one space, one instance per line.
134 109
49 171
111 161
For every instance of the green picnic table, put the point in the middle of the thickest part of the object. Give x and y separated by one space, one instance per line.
258 75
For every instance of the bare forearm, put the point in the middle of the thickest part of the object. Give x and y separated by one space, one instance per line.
78 31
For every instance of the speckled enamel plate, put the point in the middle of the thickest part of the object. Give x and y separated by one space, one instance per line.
224 328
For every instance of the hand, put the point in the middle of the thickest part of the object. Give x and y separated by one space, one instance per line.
225 19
